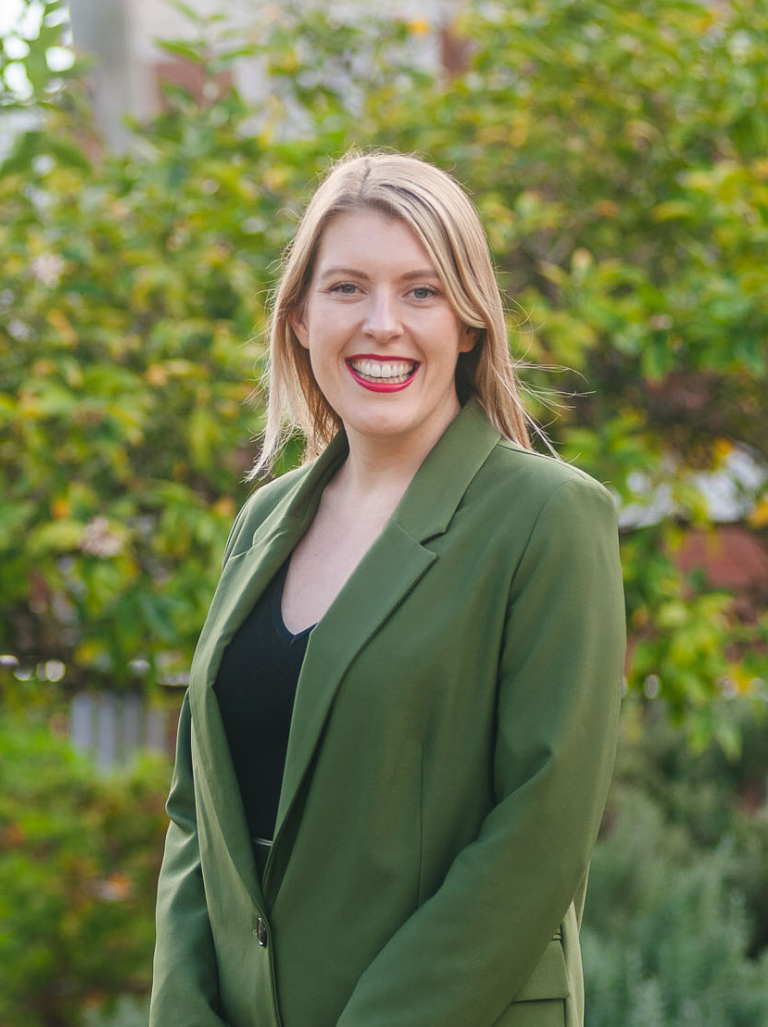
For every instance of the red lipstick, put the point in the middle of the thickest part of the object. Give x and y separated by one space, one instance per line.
382 384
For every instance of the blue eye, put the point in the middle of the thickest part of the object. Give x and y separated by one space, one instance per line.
345 288
423 292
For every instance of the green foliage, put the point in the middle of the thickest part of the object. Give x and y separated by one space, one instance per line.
617 155
130 294
125 1012
29 73
79 857
677 902
673 951
708 799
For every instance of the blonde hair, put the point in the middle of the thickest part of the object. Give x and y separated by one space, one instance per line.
445 221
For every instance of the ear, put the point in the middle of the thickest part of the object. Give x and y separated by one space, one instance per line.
468 338
299 326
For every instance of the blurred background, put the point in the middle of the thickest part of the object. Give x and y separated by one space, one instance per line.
154 159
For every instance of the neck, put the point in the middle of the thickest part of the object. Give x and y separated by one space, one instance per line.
385 467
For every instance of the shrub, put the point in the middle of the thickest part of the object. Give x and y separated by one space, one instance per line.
125 1012
79 856
673 913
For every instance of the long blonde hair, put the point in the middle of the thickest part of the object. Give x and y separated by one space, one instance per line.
445 221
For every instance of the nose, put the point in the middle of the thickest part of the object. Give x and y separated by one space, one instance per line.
382 321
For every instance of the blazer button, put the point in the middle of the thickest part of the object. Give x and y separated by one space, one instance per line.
261 933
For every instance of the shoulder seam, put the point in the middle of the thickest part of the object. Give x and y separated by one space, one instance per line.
584 475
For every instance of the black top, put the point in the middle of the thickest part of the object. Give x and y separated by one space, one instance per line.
255 688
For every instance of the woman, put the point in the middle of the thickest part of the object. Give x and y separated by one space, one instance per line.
415 852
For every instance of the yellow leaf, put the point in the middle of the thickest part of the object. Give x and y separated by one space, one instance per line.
740 677
721 448
518 132
58 320
155 375
608 209
42 368
87 653
275 177
419 26
640 617
60 507
671 209
704 24
225 506
758 518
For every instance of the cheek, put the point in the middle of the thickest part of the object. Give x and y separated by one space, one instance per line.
324 366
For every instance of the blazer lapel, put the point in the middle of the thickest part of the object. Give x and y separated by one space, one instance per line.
243 579
386 574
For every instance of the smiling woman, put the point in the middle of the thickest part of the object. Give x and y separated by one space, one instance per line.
376 319
399 731
429 211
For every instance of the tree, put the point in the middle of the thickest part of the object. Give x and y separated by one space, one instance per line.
617 156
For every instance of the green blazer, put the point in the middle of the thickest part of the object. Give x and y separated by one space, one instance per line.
450 751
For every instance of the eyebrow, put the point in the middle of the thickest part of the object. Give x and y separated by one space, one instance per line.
357 273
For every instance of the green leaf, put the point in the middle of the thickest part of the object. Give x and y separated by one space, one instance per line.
180 49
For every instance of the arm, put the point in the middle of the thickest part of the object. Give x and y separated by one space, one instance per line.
467 951
185 983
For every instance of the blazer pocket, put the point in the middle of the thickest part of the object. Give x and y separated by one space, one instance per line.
540 1001
548 978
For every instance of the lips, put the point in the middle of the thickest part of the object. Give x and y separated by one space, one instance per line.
380 374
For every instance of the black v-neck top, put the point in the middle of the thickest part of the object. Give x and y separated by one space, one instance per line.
256 687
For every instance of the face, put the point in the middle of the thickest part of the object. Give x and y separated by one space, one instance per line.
383 339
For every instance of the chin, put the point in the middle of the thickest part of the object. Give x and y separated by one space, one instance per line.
380 427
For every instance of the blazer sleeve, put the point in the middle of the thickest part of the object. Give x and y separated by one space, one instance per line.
185 978
463 955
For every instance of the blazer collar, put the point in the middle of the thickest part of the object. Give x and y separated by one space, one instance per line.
431 499
388 571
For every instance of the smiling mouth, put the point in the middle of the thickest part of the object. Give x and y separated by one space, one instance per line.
384 372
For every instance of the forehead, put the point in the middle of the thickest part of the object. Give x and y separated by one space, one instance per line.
373 241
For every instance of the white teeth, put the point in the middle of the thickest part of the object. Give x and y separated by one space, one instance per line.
375 368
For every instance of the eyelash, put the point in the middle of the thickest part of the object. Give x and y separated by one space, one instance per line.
340 286
429 289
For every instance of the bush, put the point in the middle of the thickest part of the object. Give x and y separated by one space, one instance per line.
125 1012
666 939
79 856
705 799
676 902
